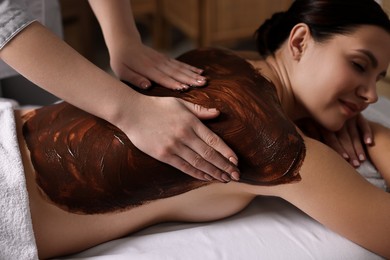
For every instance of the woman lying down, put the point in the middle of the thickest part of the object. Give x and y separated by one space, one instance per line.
88 184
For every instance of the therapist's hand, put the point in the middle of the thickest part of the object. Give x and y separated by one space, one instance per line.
138 64
169 130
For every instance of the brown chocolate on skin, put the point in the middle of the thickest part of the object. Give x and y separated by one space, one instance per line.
86 165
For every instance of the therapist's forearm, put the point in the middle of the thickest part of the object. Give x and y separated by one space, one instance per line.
116 20
50 63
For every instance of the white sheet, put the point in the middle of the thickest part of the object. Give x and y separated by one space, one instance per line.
269 228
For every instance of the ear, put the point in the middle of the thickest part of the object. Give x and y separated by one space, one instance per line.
298 40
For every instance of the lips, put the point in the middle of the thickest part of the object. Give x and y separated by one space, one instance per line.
352 108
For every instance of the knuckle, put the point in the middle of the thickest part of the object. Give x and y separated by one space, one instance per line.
182 133
186 167
228 168
216 173
197 161
166 151
190 170
212 140
209 153
198 175
163 154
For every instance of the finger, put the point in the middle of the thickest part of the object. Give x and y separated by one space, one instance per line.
200 111
160 58
356 142
135 79
211 139
212 148
187 168
331 140
365 128
213 163
197 166
348 145
165 80
180 73
185 68
169 73
188 67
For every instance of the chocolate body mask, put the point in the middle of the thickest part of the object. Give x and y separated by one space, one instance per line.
86 165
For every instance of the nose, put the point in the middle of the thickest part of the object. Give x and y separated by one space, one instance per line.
368 93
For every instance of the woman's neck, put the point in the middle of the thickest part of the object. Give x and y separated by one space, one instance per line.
276 71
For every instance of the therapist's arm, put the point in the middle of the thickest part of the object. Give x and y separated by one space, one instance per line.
155 125
131 60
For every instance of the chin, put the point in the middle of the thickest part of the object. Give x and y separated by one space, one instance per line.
334 126
338 127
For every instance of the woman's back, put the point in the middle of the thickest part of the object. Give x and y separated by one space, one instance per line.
97 169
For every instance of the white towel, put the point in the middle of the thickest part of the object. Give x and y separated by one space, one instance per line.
16 234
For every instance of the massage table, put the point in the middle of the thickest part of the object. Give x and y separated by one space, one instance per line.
269 228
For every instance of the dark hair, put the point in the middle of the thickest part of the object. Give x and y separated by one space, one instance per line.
325 18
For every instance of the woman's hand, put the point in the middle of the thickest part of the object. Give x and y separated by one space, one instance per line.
138 64
349 141
168 130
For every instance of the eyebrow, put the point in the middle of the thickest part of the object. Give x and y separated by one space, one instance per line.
370 56
373 60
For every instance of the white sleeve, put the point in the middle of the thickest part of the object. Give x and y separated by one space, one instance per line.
13 18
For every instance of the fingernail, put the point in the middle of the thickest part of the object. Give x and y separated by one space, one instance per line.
145 85
346 156
212 110
201 80
362 157
199 71
233 160
368 140
356 163
235 176
208 177
182 87
226 178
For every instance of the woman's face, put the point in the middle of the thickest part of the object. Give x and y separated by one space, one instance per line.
336 79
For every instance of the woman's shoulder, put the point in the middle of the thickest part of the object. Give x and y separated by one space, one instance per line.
252 120
218 55
224 63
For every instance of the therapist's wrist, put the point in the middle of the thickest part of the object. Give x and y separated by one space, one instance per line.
118 40
124 109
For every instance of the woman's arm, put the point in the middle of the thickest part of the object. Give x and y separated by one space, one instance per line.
379 152
333 193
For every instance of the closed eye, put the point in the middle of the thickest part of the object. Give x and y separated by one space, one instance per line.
359 67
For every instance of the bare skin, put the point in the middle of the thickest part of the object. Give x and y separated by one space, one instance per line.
334 196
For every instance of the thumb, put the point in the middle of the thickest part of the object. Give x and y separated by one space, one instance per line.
200 111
